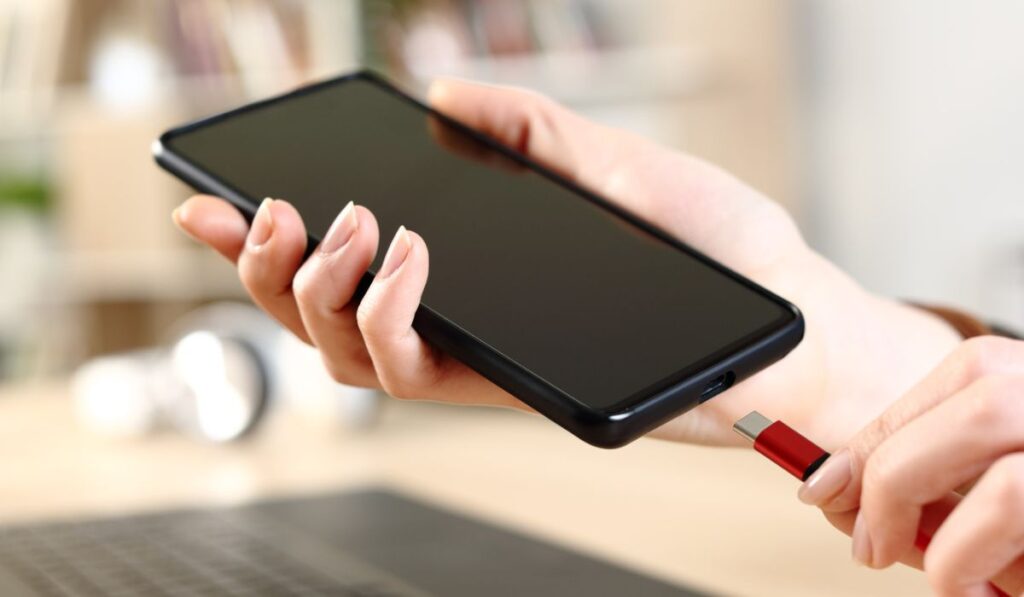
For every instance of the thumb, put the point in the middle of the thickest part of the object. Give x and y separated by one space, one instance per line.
533 125
695 201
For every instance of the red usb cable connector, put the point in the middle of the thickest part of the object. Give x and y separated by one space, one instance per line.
798 456
782 445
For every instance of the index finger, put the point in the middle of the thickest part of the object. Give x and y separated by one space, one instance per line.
836 486
214 222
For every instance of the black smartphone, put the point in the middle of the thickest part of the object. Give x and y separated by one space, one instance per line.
599 321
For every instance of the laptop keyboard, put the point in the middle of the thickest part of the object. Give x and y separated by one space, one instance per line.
178 554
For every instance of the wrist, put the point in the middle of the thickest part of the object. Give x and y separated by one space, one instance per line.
965 324
890 348
913 342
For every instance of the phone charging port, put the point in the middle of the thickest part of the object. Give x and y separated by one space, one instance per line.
717 385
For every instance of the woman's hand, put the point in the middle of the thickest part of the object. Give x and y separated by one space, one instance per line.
905 473
860 351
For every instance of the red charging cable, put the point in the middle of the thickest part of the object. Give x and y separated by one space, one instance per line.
782 445
799 456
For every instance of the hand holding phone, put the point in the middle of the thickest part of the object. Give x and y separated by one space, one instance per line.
692 200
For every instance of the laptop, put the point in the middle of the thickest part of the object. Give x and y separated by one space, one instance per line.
367 543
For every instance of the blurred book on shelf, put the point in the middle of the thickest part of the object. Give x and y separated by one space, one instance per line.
209 54
260 42
32 37
425 38
495 28
236 48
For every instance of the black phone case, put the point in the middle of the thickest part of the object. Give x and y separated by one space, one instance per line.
607 428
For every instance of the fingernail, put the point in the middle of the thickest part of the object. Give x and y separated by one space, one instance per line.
262 225
436 92
397 253
861 541
341 231
828 481
176 218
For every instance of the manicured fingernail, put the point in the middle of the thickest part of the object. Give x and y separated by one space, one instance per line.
436 92
828 481
861 541
341 231
262 225
176 216
397 253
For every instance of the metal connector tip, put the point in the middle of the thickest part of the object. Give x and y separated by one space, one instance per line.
751 425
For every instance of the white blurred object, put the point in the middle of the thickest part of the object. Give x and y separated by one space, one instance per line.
207 386
110 393
227 386
295 372
125 72
216 381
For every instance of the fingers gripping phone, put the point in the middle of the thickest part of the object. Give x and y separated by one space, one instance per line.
603 323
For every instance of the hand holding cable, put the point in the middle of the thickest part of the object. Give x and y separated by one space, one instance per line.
899 486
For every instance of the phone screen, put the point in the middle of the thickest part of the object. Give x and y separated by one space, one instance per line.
589 302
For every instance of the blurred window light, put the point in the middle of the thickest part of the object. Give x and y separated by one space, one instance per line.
125 73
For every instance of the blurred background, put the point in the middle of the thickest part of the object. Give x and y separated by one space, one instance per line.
892 131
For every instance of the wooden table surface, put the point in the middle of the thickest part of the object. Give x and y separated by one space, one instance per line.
723 520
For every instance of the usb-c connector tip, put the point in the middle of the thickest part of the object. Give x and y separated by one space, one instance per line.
751 425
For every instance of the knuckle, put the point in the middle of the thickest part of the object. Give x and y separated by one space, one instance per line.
248 272
977 354
995 397
369 321
397 388
881 428
971 354
1005 480
260 279
304 286
540 111
881 473
411 382
940 575
337 372
533 101
350 370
